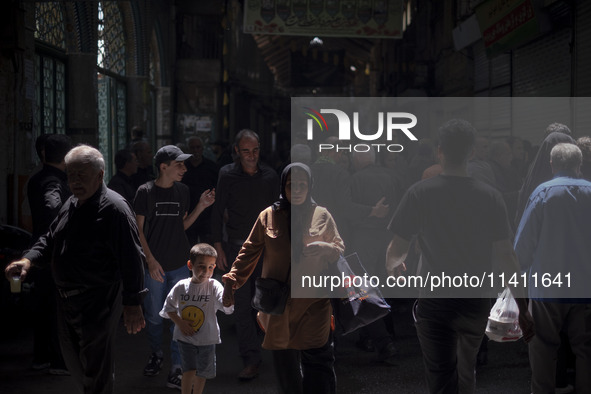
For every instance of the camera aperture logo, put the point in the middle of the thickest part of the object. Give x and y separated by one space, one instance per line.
315 116
389 122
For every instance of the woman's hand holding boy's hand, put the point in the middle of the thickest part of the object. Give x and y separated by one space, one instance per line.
228 295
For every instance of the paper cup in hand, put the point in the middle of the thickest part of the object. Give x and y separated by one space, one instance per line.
15 284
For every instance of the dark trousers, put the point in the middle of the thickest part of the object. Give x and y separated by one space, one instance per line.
87 327
46 346
306 371
575 321
249 340
450 332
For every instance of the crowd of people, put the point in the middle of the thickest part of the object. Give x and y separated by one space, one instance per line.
148 244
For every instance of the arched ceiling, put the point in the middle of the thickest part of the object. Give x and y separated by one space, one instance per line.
295 58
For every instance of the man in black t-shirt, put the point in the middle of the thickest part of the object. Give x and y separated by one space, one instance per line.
143 153
462 228
127 164
47 192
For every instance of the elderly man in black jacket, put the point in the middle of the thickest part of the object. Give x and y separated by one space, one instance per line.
98 266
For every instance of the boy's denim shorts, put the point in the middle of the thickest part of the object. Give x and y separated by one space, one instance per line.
201 359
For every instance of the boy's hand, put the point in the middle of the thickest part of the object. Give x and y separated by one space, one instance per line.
155 269
207 198
186 328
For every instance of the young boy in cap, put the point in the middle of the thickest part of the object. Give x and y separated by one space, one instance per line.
163 214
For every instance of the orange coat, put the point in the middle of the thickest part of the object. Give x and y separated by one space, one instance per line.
305 323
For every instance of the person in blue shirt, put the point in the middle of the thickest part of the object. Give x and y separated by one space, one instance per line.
552 244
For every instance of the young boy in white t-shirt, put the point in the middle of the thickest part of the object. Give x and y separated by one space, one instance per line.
192 304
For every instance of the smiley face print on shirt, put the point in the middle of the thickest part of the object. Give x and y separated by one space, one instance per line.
195 315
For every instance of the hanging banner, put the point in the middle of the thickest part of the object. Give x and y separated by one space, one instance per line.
330 18
506 24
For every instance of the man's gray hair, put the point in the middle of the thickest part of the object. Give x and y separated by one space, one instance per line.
88 155
245 133
584 143
566 157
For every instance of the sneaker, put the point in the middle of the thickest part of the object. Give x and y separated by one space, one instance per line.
564 390
388 354
154 365
59 371
38 366
174 379
249 372
365 344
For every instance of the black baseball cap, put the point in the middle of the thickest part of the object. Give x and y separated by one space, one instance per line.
169 153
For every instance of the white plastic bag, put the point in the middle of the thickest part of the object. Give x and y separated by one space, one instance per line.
503 322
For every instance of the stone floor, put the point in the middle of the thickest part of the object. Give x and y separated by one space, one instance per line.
357 371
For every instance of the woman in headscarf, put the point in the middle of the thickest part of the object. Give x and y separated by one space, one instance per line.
539 170
293 230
